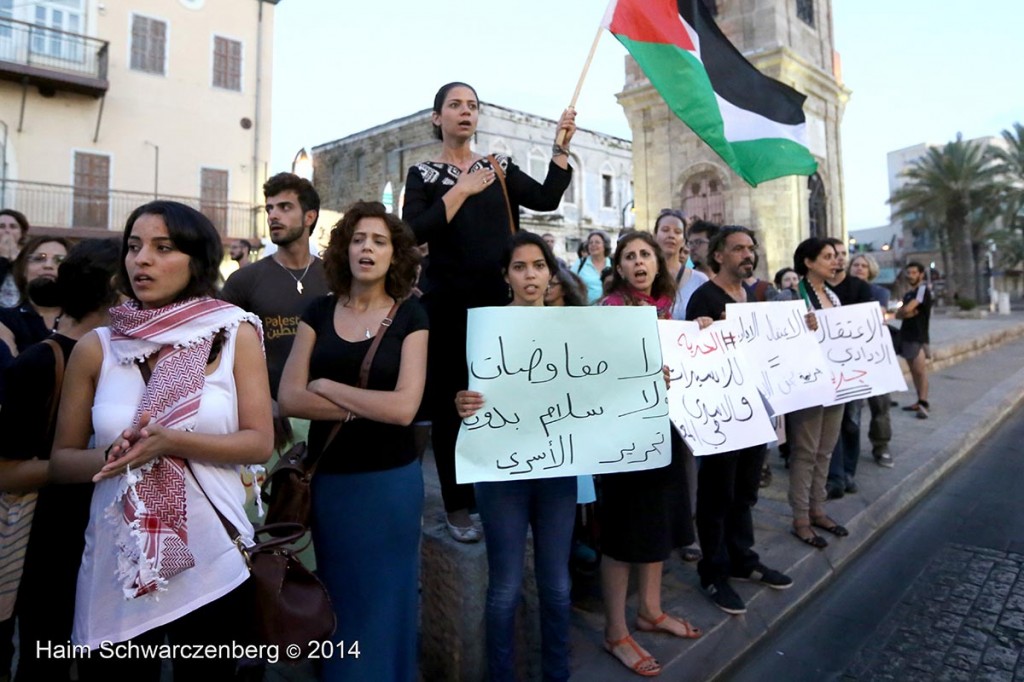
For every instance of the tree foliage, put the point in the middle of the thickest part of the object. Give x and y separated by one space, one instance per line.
957 186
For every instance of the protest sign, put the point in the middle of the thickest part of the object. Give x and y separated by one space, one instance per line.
567 391
859 352
792 371
713 398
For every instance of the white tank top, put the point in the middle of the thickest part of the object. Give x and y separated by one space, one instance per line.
102 613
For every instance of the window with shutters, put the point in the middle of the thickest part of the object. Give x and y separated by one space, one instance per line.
227 64
92 190
149 45
213 196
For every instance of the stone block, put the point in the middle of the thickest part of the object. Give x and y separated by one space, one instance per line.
454 596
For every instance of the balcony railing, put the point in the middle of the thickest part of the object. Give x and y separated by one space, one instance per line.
52 59
64 206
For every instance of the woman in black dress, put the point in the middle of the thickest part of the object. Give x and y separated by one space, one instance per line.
456 203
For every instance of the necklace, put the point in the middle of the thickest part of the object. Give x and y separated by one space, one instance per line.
298 280
357 313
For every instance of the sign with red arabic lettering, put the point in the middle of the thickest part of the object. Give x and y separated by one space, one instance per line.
859 352
713 398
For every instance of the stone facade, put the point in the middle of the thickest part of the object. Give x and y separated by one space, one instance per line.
373 164
674 168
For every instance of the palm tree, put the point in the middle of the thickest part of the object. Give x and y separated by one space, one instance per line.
956 184
1008 163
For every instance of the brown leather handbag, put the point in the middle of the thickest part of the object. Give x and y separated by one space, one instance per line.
292 605
287 490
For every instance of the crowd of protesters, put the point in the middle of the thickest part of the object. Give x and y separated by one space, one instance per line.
137 391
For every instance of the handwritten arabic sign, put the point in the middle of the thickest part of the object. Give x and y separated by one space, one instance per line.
791 369
859 352
713 399
567 391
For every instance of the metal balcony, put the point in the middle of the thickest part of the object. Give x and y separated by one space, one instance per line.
52 60
86 212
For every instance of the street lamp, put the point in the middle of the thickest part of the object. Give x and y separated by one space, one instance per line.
302 165
156 168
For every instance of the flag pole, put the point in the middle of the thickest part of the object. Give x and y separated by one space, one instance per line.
583 75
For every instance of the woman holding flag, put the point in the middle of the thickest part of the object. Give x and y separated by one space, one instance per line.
466 206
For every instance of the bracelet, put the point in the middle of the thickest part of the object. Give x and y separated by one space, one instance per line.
558 150
351 415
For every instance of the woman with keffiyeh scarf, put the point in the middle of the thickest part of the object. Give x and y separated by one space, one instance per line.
176 393
813 431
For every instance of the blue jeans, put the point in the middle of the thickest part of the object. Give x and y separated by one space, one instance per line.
548 506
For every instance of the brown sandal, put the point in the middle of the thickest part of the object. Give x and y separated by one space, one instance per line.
633 656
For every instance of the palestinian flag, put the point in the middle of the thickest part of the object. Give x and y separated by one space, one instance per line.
755 123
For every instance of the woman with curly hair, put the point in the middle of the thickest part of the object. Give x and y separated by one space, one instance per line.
368 486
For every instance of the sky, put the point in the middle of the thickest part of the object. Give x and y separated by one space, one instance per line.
917 74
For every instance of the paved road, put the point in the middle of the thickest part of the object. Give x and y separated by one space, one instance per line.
939 596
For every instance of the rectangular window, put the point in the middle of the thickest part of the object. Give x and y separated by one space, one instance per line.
805 11
6 13
360 166
227 64
538 168
394 161
213 196
607 191
92 190
149 45
570 192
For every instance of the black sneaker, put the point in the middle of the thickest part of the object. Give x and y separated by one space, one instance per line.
834 491
884 459
776 580
725 597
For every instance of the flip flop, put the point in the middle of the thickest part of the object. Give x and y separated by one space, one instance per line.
834 528
659 624
815 541
626 650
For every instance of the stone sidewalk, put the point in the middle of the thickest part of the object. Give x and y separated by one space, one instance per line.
979 381
976 380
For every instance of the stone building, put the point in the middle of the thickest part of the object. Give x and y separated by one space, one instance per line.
791 41
373 163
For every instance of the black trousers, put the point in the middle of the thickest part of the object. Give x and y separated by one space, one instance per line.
446 376
727 487
222 621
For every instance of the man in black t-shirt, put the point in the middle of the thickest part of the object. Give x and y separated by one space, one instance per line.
843 466
278 288
727 483
916 312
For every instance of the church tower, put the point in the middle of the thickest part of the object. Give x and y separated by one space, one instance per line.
791 41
